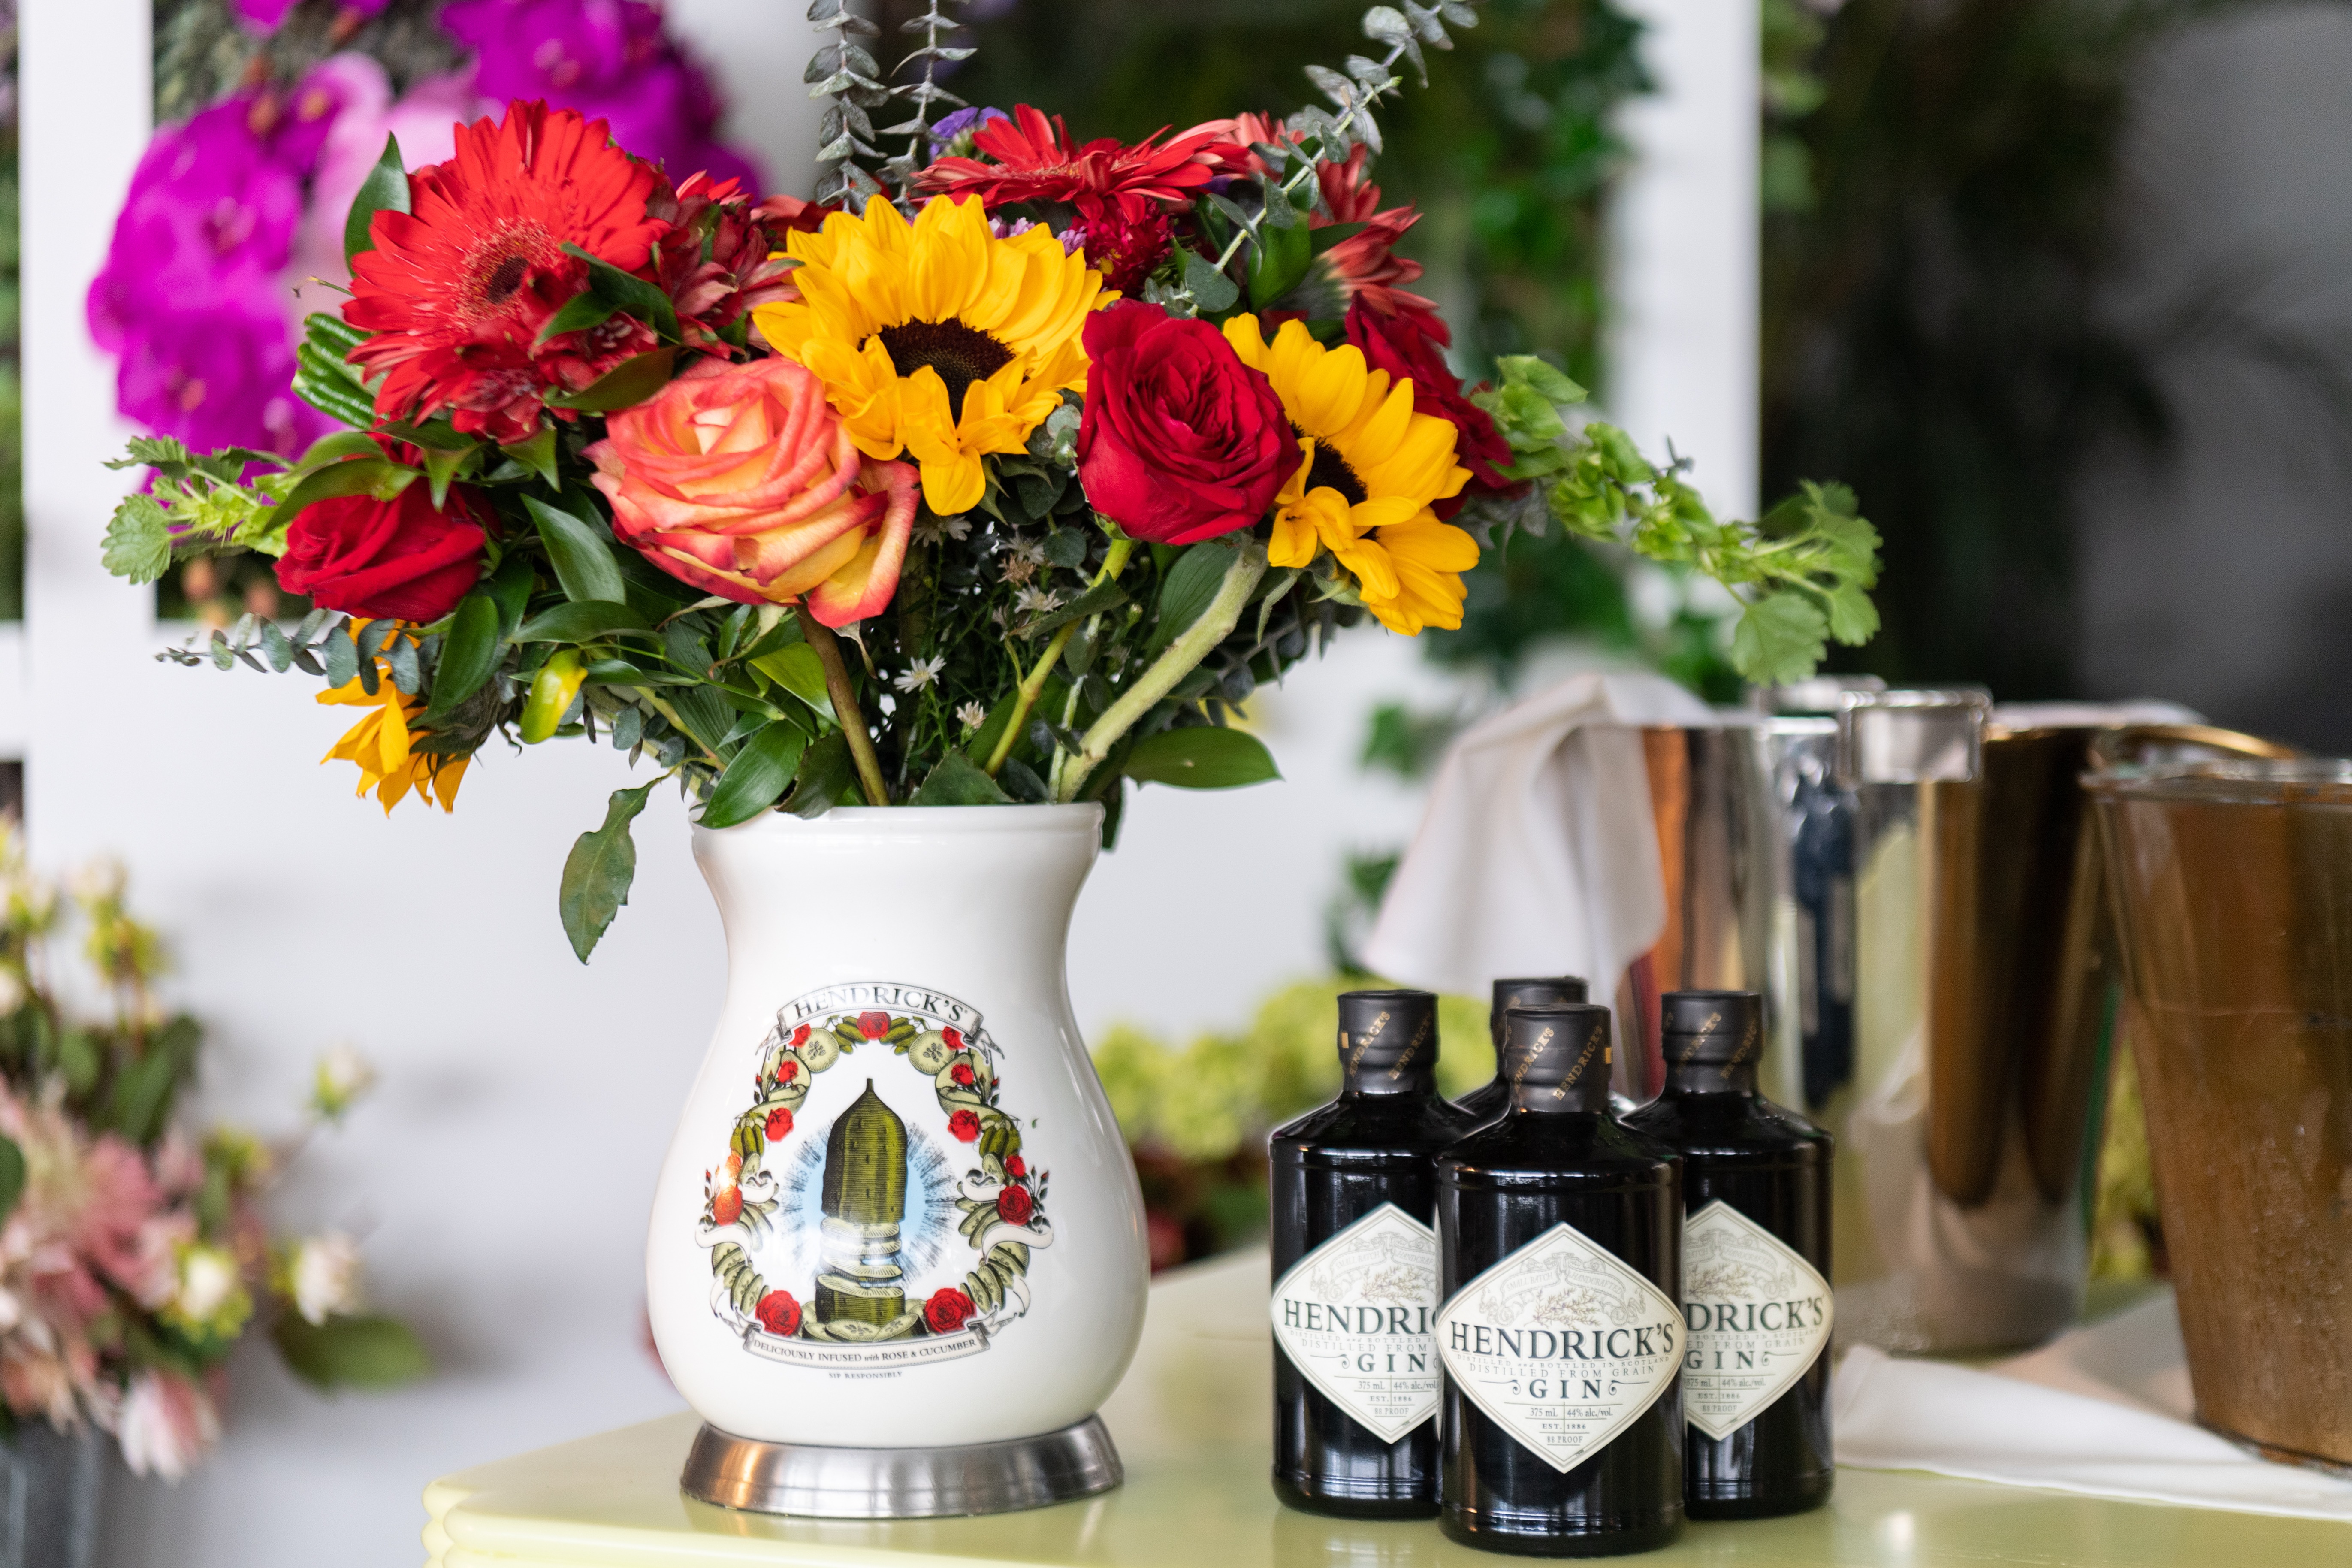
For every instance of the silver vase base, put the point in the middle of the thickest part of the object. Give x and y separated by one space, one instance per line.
818 1482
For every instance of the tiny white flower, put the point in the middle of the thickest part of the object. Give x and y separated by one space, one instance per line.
325 1276
99 882
973 715
1018 569
928 531
958 528
1032 551
343 1078
920 673
1037 601
208 1279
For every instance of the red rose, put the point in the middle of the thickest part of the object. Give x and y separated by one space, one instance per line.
1410 346
787 1070
399 559
954 1038
1015 1206
779 1124
1179 440
961 1073
1013 1166
727 1205
964 1125
800 1036
945 1312
874 1025
779 1314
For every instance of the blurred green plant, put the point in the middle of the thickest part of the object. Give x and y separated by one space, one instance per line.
1196 1116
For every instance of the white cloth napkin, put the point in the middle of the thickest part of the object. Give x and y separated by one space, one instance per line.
2102 1410
1537 854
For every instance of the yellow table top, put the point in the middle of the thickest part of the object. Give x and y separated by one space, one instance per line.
1191 1422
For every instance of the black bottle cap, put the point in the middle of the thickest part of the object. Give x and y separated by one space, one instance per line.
1388 1040
1712 1028
1532 992
1556 1057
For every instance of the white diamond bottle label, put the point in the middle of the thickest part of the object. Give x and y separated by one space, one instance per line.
1354 1316
1758 1316
1562 1344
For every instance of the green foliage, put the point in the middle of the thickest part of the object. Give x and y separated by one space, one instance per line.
11 1175
351 1351
386 189
598 871
1201 756
959 781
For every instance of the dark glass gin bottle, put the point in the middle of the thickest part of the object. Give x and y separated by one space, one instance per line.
1355 1271
1559 1234
1756 1265
1491 1099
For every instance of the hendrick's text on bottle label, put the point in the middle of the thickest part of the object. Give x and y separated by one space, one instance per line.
1758 1313
1354 1315
1561 1344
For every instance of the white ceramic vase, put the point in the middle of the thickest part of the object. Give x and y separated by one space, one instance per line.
897 1211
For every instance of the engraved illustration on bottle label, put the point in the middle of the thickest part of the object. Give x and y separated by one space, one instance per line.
1562 1344
1758 1315
1355 1315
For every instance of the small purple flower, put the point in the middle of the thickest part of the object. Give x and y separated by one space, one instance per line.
963 122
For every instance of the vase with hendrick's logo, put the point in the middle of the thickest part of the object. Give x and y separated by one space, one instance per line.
1756 1264
1559 1239
1493 1098
1355 1271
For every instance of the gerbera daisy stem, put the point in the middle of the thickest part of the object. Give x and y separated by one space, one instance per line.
844 706
1024 697
1180 658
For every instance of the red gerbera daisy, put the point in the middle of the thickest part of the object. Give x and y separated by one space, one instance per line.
1365 266
455 290
1037 162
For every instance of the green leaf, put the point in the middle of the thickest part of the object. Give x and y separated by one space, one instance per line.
598 871
11 1175
441 466
1546 379
350 1352
386 189
469 653
510 585
756 778
580 622
625 386
1283 256
141 1095
624 291
579 551
798 670
137 540
538 453
825 770
1187 589
1205 757
1104 596
706 715
359 475
1211 289
957 780
1779 638
582 310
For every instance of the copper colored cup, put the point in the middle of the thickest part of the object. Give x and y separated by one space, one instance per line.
2232 891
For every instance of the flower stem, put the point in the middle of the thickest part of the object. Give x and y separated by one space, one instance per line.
1180 658
844 706
1024 697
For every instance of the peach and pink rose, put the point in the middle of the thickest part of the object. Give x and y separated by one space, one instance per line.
738 480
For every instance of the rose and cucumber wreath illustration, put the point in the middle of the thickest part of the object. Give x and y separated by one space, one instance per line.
839 1232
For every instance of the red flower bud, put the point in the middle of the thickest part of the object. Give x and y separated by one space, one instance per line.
964 1125
727 1205
800 1036
954 1038
961 1073
1015 1206
787 1070
779 1314
947 1311
1015 1166
779 1124
874 1025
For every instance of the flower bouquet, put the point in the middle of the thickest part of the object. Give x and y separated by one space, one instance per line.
134 1256
1003 471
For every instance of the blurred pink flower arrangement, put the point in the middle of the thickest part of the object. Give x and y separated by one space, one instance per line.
232 231
133 1255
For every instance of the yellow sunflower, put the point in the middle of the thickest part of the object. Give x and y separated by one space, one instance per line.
1370 470
380 745
937 337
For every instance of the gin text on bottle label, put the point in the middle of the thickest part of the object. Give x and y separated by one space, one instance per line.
1354 1315
1758 1315
1561 1344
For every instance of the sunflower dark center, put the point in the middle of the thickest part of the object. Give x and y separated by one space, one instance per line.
504 279
1332 471
961 354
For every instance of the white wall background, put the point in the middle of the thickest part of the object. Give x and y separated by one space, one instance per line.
501 1174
